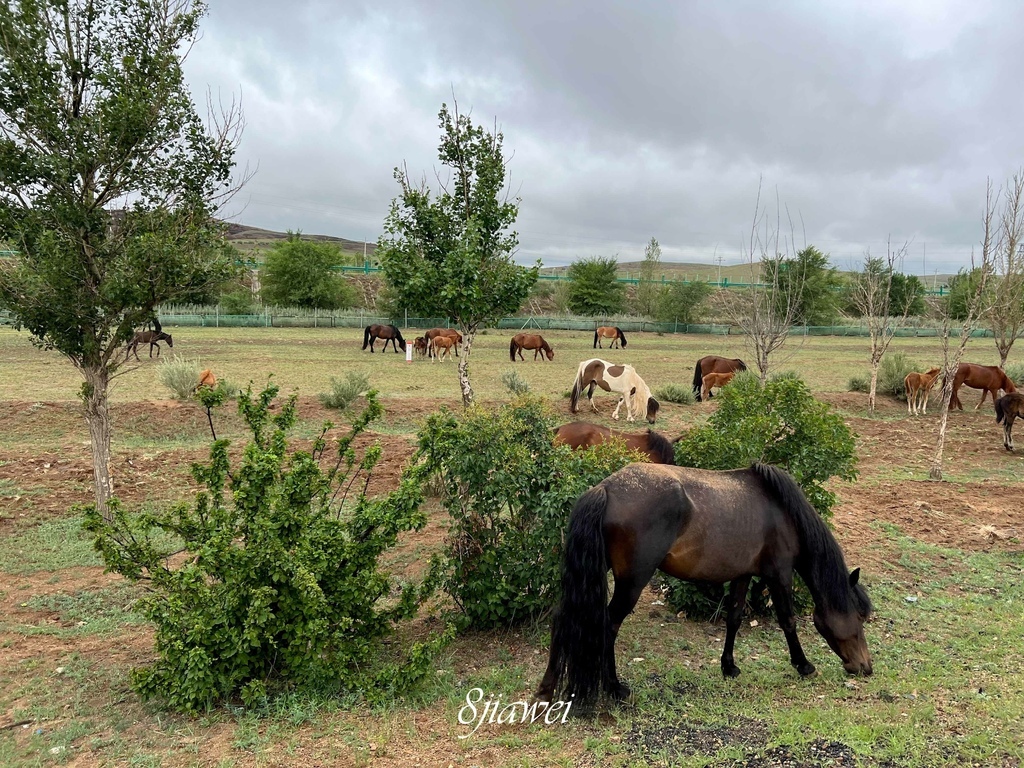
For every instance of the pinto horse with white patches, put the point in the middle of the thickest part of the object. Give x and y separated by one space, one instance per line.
633 391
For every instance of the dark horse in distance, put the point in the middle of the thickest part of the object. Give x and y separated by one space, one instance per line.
1008 408
151 338
703 525
714 364
583 434
386 332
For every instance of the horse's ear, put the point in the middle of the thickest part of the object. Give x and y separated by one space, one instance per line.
854 577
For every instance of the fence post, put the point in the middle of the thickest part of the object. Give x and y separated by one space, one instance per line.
217 315
407 325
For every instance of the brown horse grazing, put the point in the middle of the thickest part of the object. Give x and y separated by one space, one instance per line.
609 332
419 344
703 525
435 332
714 364
1008 408
624 379
990 378
919 387
442 346
389 333
148 337
583 434
532 341
714 380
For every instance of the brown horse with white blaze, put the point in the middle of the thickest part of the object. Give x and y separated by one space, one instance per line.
703 525
989 378
713 364
609 332
528 341
580 435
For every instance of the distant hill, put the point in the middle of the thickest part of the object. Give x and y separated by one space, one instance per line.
255 241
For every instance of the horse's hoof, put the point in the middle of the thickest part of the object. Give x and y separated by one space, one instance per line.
806 670
730 671
620 692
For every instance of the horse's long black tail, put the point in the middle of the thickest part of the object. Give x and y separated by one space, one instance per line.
366 337
577 390
595 339
580 632
1000 411
512 350
622 337
697 381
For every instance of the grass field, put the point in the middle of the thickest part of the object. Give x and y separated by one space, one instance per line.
942 562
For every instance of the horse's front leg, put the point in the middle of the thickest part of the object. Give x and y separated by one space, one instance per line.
615 413
738 600
782 596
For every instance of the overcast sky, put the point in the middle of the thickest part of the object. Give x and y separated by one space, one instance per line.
629 120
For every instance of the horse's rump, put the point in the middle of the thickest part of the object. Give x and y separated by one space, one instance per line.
714 364
583 434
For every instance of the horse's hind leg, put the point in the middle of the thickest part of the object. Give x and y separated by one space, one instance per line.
1008 431
782 596
983 393
737 601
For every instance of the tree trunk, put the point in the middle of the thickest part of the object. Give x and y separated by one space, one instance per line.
935 473
98 418
464 385
874 386
1004 352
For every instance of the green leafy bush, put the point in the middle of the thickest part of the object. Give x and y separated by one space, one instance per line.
280 588
1016 373
509 492
238 302
180 375
859 384
780 423
673 393
891 373
344 393
514 383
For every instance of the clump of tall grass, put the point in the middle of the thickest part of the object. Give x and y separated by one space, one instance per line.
344 393
514 383
673 393
893 370
1016 373
859 384
180 375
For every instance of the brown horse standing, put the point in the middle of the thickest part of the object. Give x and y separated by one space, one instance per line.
419 344
442 346
609 332
714 380
148 337
583 434
704 525
990 378
1008 408
714 364
433 333
918 387
532 341
389 333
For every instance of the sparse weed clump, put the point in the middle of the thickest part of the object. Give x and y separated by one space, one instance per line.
344 393
674 393
180 375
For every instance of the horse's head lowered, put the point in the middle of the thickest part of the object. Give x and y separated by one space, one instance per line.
652 409
844 630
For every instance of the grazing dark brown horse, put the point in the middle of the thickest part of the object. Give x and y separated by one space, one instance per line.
990 378
449 332
633 391
609 332
714 364
583 434
532 341
703 525
387 332
1008 408
151 338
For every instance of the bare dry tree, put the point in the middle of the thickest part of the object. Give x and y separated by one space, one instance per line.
974 305
1006 315
768 308
883 313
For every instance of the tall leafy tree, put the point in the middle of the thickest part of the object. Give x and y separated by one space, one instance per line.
300 273
594 288
681 302
108 181
449 254
809 283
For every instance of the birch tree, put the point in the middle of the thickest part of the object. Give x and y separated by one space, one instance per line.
884 310
974 307
1006 313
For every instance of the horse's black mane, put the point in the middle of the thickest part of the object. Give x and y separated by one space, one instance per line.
821 562
661 446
